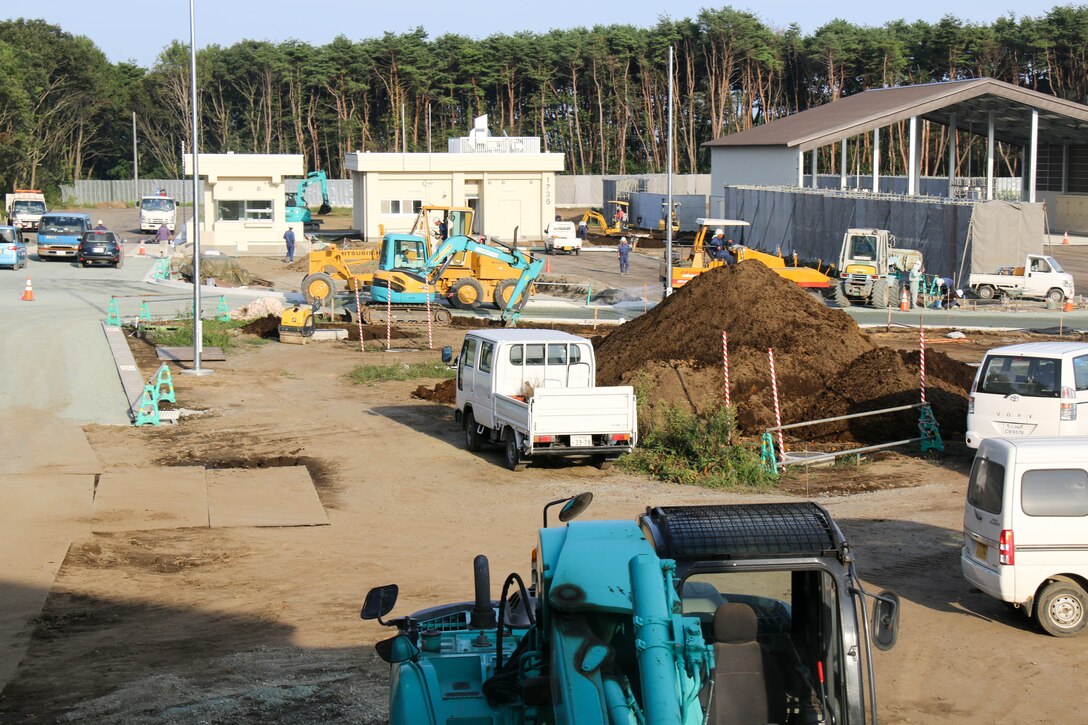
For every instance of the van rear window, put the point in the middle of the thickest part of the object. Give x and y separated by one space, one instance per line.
1029 377
1061 492
986 487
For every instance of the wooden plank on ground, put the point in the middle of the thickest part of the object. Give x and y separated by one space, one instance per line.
185 354
279 496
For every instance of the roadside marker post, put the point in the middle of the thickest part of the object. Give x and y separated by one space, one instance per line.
359 318
725 366
777 411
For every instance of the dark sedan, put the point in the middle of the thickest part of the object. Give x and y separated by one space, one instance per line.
100 247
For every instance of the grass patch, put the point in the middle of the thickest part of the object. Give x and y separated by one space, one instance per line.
685 448
224 335
365 374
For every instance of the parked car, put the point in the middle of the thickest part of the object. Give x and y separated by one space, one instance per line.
1024 538
12 248
1032 389
100 247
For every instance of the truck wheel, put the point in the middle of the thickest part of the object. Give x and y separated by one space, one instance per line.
602 462
878 298
513 456
840 296
1056 296
466 294
472 435
318 287
1061 609
986 292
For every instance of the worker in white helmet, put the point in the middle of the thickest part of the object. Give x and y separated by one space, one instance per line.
624 251
716 244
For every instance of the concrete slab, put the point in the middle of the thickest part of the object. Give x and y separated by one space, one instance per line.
46 498
282 496
45 444
151 498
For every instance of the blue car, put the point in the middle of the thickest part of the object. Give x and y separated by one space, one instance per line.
12 248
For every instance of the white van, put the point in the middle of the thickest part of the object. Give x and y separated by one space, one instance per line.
1033 389
1025 528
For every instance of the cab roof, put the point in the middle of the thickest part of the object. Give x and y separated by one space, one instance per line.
516 335
1042 449
1041 349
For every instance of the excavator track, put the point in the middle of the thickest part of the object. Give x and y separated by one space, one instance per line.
405 314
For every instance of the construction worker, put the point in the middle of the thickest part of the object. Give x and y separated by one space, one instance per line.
915 277
162 236
624 251
289 240
716 244
583 230
101 226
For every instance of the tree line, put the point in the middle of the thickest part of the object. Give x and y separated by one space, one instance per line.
597 95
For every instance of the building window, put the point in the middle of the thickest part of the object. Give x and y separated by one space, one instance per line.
401 206
234 211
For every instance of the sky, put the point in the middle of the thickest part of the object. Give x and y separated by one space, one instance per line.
126 30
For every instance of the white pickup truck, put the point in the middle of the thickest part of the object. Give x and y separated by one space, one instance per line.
534 393
1040 277
562 237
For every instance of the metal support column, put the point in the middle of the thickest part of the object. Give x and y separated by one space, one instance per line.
815 167
876 160
1065 168
912 158
1033 156
842 165
952 154
990 157
800 168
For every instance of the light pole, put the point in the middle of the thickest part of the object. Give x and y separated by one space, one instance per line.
135 162
668 166
198 326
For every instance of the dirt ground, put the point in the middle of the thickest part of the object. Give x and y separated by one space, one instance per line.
261 624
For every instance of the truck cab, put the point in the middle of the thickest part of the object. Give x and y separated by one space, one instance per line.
1041 277
25 208
156 211
60 232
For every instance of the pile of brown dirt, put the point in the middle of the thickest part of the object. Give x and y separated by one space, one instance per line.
444 392
267 326
826 365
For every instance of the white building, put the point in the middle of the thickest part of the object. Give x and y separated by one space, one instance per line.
243 207
506 180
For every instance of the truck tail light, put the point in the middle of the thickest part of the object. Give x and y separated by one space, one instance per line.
1006 548
620 436
1069 404
970 404
543 439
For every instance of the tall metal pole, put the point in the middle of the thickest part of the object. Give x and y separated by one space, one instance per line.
135 162
668 222
198 326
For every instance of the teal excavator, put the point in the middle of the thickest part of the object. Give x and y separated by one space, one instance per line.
298 211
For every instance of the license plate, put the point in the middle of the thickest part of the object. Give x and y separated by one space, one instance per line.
1014 429
980 552
98 250
581 441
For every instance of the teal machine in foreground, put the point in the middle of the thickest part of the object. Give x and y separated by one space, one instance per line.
688 615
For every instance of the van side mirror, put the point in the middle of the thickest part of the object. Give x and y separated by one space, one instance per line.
379 602
447 354
885 622
397 649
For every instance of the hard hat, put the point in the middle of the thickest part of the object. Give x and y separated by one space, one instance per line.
623 239
718 231
100 221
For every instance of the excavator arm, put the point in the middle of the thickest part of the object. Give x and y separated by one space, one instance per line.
315 177
530 267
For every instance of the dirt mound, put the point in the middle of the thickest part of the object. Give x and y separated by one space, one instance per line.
267 326
826 365
444 392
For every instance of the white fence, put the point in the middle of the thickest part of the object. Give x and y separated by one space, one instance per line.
588 189
89 193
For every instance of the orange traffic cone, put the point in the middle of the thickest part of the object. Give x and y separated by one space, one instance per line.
904 300
1065 239
141 252
548 265
28 292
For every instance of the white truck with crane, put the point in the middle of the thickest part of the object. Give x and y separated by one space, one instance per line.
534 393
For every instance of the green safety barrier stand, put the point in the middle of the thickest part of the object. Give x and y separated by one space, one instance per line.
163 271
113 314
148 413
164 379
589 294
931 434
222 311
145 312
767 455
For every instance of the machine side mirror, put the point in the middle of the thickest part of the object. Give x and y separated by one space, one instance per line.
379 602
397 649
447 354
885 620
574 508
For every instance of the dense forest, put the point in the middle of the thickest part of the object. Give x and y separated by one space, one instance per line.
598 96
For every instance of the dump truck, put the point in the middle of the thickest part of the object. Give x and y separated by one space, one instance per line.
744 613
534 393
871 268
1040 277
685 269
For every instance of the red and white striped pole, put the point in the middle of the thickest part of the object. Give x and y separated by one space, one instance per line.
922 360
388 313
725 366
430 334
359 318
777 410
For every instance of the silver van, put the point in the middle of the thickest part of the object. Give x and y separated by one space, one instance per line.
1025 528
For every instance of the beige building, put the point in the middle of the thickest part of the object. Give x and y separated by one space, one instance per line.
243 207
506 180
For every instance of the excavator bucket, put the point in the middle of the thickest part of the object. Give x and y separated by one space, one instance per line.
325 208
